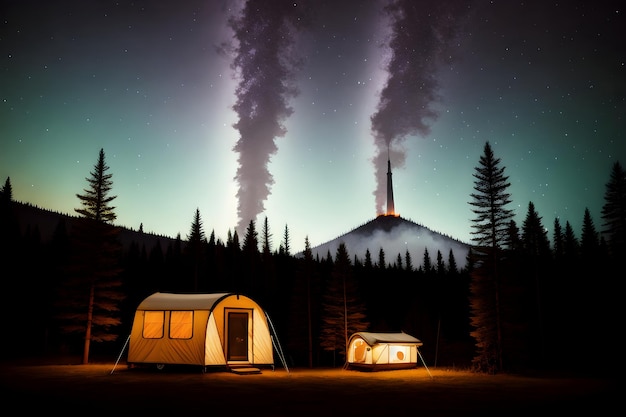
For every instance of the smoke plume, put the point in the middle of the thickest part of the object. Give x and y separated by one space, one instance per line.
420 35
264 64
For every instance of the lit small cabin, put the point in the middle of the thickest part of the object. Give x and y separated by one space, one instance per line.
382 351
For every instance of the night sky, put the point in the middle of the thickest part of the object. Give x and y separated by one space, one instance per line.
289 110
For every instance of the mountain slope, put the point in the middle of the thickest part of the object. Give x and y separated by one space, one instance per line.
395 235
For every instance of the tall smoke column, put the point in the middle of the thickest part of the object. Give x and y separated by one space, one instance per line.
264 64
420 33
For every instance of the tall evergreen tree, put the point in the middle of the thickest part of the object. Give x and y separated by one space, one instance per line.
9 227
427 263
90 298
614 212
536 272
251 239
399 261
251 254
286 242
303 303
441 266
571 245
6 193
407 261
267 238
195 250
452 266
557 240
344 312
490 229
382 263
589 240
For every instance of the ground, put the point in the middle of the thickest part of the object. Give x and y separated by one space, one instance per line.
96 389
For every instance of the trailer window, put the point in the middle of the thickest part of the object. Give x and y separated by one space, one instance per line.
153 324
181 324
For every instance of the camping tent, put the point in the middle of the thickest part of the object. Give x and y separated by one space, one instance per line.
222 329
378 351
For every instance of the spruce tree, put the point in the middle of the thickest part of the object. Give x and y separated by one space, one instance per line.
407 261
535 276
428 267
303 302
382 263
344 311
614 212
251 259
557 240
9 228
286 242
195 251
490 229
267 238
452 267
89 300
589 240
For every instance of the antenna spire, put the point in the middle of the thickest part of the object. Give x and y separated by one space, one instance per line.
391 210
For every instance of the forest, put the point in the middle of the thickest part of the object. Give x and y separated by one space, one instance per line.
532 297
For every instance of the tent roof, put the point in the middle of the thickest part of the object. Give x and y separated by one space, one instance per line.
374 338
169 301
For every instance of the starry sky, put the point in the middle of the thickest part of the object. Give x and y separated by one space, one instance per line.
289 110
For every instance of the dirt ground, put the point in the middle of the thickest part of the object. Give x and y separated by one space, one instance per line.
99 389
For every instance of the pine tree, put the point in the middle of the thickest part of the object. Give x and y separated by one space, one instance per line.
91 295
344 312
452 266
195 249
441 266
382 263
251 259
534 235
571 246
589 240
427 263
408 263
557 240
267 238
303 298
286 242
490 230
6 193
614 212
9 226
536 271
251 239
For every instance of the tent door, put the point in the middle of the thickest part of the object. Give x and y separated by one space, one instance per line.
237 349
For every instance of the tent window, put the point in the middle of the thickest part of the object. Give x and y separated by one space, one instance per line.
399 354
153 324
181 324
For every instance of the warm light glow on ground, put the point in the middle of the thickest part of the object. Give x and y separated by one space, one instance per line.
433 392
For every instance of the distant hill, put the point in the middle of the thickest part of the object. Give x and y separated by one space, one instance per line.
395 235
45 222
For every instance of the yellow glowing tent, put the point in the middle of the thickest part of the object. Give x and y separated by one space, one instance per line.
378 351
223 329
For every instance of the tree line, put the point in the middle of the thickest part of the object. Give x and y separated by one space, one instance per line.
518 303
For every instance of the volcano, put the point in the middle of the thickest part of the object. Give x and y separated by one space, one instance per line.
395 236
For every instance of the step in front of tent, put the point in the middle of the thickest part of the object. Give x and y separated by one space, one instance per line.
245 370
